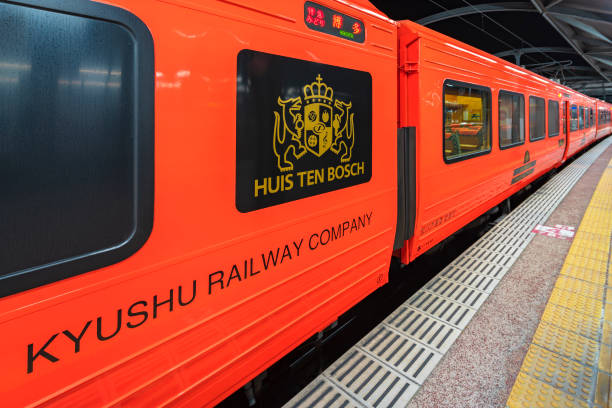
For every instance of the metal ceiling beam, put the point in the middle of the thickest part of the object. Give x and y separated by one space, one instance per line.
591 86
516 6
550 13
589 29
565 67
581 78
603 60
596 92
531 50
553 3
599 51
579 13
586 39
475 9
538 5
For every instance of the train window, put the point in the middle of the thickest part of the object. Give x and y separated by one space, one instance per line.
537 118
573 118
603 117
76 152
511 119
553 118
467 120
591 118
581 118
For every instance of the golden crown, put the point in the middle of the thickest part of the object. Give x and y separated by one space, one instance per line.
318 92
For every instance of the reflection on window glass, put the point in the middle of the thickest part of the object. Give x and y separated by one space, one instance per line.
603 117
467 113
553 118
511 119
537 127
76 140
591 119
581 118
574 118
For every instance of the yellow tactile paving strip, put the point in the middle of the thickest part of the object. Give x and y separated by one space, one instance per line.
569 361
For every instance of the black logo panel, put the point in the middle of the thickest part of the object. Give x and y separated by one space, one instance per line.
303 129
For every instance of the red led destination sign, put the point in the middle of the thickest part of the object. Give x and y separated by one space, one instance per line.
330 21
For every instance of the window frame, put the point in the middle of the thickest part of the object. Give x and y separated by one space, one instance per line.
531 139
558 118
577 117
475 86
143 133
498 123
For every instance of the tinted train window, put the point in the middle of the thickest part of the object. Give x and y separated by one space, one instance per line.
537 118
581 118
591 119
511 119
574 118
76 144
553 118
467 120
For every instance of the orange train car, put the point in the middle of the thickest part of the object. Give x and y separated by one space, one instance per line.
477 128
604 122
192 188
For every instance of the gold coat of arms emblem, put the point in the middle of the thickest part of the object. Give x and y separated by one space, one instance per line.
317 124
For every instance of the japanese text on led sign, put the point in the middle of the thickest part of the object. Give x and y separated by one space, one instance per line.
324 19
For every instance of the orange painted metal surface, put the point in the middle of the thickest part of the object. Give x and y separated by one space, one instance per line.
202 346
604 128
451 195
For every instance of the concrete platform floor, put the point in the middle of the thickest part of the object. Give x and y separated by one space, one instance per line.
481 367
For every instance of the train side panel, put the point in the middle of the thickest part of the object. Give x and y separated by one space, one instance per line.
582 132
455 188
604 125
265 228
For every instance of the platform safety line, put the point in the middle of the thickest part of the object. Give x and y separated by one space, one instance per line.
569 362
387 367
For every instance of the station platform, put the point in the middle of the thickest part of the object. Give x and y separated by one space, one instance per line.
522 318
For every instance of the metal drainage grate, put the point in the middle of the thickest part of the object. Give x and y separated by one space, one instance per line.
387 366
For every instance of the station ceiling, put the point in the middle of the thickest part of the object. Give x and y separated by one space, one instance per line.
569 41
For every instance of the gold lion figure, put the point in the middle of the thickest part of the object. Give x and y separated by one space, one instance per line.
287 142
344 130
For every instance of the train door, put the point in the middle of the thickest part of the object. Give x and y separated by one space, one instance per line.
408 54
565 128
